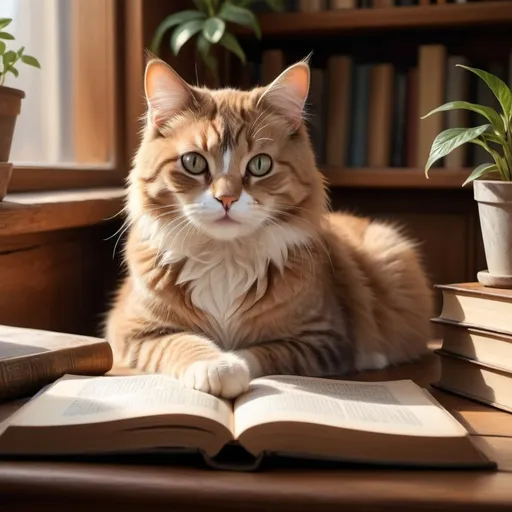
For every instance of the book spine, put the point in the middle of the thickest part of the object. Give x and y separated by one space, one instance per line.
431 78
381 110
457 89
272 65
339 78
359 116
23 376
399 119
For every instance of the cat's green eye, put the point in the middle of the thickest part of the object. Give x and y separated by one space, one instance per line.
260 165
194 163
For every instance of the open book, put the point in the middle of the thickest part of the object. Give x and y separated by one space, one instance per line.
393 422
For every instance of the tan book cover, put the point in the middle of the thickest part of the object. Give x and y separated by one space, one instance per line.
339 76
457 89
272 65
312 5
31 359
431 80
334 5
476 381
474 305
381 115
394 422
484 346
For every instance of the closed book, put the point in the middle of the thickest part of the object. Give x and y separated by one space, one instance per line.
474 305
272 65
31 359
457 89
476 381
381 115
342 4
312 5
412 115
316 107
431 79
339 73
398 144
481 345
358 149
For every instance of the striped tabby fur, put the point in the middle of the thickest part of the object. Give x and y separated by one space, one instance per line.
273 285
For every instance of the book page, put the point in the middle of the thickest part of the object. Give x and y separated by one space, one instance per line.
396 407
74 400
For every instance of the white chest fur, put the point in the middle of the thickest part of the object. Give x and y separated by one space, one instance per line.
220 273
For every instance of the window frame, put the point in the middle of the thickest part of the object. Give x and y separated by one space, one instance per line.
126 75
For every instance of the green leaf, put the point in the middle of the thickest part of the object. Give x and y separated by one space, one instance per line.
213 29
230 42
31 61
183 33
489 113
14 71
9 57
450 139
6 36
241 16
497 86
480 171
2 47
204 49
20 51
171 21
4 22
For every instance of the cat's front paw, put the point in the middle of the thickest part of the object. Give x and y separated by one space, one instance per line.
226 376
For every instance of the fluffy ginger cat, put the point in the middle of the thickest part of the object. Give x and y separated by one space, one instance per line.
236 268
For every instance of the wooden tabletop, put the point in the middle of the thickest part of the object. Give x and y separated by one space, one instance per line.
156 485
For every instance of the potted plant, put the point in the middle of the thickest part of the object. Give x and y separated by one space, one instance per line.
208 23
494 193
10 100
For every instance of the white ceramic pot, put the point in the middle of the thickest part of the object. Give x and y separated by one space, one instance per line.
495 210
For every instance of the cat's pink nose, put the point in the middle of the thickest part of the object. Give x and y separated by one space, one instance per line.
226 201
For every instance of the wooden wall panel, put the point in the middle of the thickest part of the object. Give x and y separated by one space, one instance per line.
57 281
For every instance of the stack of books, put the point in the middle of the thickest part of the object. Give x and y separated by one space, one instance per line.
476 353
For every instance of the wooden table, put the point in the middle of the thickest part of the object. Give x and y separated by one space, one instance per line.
76 487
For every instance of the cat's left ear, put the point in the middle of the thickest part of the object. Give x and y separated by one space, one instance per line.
167 93
288 93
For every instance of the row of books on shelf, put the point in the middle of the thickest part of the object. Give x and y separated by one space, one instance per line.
368 114
476 351
333 5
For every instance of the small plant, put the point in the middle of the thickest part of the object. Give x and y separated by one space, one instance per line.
208 23
495 137
9 58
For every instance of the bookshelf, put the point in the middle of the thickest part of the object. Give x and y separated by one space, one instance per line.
394 177
451 16
438 211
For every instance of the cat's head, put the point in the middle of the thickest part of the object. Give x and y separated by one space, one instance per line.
226 163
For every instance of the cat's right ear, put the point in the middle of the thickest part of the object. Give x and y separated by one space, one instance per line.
167 93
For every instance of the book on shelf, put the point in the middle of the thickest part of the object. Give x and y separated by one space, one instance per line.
31 359
384 423
488 347
475 380
476 351
371 111
474 305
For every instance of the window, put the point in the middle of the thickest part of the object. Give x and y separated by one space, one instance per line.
68 132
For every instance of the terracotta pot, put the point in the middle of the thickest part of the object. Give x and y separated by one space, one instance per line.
10 108
495 210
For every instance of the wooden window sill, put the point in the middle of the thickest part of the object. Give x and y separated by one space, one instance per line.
25 213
